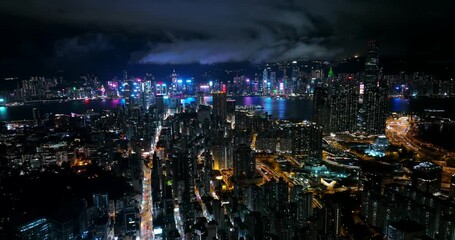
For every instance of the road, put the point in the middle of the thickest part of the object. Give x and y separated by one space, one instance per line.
146 226
397 130
400 132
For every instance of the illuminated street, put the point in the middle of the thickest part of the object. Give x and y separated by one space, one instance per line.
147 201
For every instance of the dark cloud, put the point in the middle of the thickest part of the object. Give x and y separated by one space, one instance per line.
82 45
203 31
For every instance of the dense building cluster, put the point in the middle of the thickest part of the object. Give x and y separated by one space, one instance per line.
403 211
160 166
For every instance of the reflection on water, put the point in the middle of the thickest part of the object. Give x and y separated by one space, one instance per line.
399 105
280 108
77 106
295 109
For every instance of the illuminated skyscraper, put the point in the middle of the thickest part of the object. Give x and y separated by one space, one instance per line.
374 102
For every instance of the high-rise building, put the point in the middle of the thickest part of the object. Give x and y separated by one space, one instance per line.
219 105
146 93
161 89
331 221
343 104
230 106
244 161
375 93
447 227
127 95
101 204
36 117
306 140
321 106
37 229
426 177
405 229
174 82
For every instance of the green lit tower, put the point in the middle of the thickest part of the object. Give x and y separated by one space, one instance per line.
331 74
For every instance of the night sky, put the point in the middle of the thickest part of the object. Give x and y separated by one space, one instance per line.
40 36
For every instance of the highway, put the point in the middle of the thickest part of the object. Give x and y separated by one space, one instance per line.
266 170
397 130
400 132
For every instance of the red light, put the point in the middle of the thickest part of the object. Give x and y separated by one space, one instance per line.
223 87
350 78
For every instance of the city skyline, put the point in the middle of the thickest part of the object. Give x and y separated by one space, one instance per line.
227 120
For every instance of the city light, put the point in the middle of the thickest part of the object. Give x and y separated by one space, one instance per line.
157 231
354 140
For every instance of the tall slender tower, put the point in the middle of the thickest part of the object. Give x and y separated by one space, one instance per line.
374 93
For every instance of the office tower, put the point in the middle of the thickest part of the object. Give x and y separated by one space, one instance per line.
375 93
219 105
343 104
244 162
